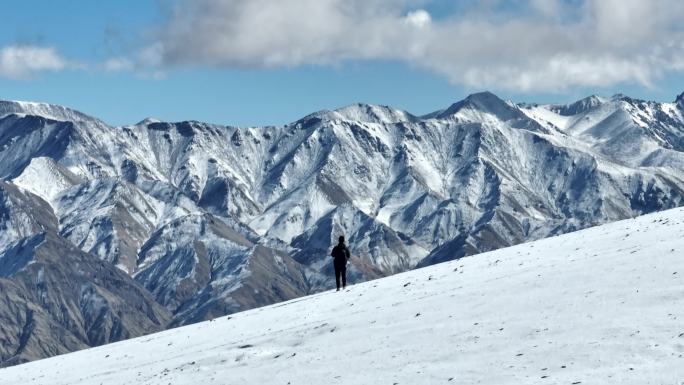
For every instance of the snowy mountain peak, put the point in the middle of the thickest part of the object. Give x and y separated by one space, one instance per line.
620 96
680 99
49 111
474 105
148 120
484 98
580 106
314 120
369 113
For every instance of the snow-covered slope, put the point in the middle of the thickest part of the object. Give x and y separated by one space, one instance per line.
45 178
598 306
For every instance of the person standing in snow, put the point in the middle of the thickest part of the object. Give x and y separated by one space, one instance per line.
340 255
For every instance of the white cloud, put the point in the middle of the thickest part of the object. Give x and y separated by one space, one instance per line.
551 46
419 18
118 64
22 62
268 33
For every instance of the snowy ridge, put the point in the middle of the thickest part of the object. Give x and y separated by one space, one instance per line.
602 305
373 114
50 111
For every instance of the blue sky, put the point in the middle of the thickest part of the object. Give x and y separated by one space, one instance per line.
256 63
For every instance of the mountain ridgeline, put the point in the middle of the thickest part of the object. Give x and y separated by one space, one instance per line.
112 232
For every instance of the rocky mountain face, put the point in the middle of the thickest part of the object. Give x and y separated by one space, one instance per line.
112 232
55 298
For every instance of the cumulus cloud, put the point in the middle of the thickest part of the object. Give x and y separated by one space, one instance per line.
22 62
270 33
524 45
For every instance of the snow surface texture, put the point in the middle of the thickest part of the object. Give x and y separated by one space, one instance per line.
598 306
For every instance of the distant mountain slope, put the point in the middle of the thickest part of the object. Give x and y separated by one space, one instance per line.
55 298
602 305
214 219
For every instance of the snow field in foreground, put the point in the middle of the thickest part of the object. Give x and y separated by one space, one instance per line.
599 306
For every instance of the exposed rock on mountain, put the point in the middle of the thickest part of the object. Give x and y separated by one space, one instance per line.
55 298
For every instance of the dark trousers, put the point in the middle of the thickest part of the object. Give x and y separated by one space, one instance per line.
341 271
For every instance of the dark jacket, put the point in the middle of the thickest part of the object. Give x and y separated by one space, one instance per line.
341 254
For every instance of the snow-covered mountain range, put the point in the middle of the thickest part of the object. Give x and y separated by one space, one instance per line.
598 306
199 220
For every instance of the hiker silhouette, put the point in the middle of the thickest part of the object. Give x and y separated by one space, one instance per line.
340 255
